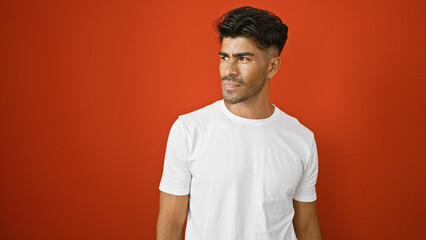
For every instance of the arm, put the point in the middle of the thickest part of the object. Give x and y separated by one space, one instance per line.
305 221
171 216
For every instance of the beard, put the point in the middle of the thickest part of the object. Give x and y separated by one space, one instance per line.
244 92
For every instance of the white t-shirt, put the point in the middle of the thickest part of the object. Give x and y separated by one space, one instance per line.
242 174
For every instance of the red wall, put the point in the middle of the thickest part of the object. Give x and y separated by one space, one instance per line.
89 91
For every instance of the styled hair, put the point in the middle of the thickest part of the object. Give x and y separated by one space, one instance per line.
263 27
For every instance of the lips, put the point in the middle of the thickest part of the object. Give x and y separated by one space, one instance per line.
230 85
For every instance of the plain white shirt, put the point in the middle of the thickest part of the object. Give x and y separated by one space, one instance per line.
242 174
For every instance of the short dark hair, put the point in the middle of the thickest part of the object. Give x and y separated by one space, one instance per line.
264 27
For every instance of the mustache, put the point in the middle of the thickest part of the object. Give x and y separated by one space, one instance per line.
232 79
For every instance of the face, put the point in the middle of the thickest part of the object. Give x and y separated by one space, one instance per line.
243 69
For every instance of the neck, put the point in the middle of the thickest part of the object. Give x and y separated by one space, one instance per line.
257 107
255 110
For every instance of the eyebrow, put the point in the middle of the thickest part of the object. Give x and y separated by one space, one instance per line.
240 54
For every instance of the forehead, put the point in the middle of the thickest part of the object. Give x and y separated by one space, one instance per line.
239 44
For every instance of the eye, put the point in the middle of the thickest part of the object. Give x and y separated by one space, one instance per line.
224 57
244 59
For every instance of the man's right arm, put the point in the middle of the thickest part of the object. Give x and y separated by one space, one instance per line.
172 214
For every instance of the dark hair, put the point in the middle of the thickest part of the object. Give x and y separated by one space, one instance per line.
265 28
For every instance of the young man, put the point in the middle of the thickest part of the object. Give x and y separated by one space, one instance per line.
241 168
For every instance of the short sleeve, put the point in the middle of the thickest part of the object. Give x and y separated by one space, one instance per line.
176 177
305 191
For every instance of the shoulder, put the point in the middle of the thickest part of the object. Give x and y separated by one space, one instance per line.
299 135
293 125
199 116
193 123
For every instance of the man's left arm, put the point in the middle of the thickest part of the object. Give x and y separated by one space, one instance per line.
305 221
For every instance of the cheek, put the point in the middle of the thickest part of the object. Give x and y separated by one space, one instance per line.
248 73
253 77
221 69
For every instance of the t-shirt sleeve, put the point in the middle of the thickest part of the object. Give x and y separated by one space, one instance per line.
305 191
176 177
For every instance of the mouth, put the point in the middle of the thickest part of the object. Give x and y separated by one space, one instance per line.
229 85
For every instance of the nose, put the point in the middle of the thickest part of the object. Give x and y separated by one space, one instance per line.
231 68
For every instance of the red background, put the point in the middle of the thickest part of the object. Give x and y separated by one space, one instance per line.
89 90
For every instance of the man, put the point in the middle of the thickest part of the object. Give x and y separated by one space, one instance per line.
241 168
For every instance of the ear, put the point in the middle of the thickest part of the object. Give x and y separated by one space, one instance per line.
273 66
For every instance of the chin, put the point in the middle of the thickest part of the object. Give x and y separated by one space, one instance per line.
232 100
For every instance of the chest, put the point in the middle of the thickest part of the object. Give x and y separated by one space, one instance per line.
249 160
